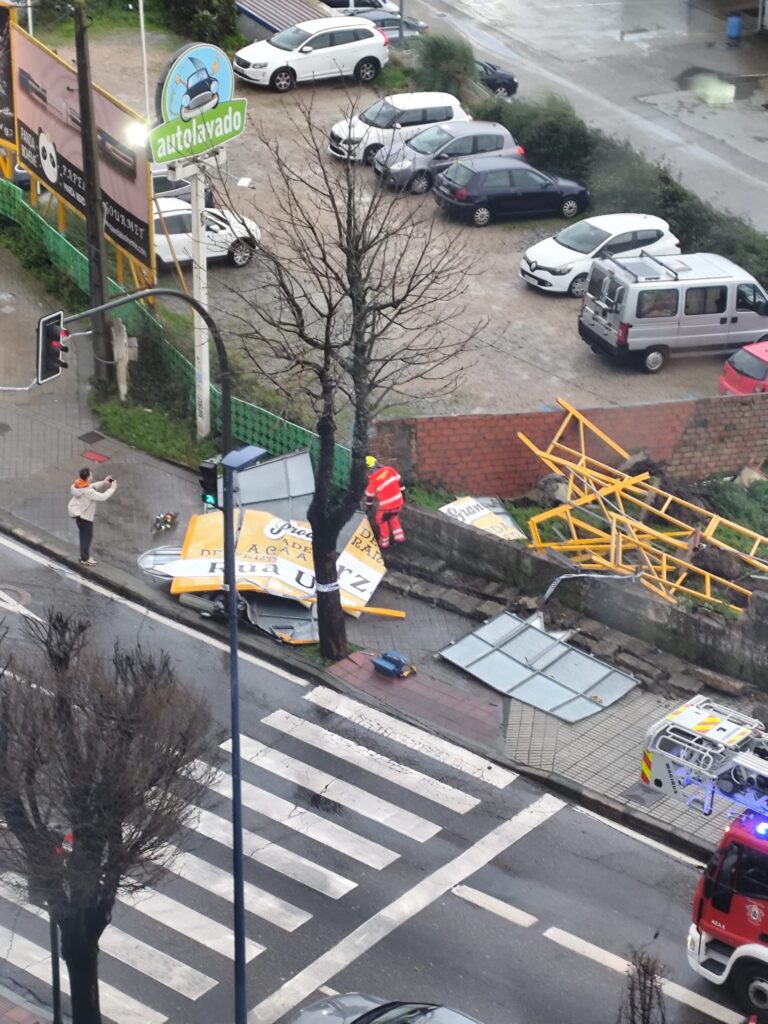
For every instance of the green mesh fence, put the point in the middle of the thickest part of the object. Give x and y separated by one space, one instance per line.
250 423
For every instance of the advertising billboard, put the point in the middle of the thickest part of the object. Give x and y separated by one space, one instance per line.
7 133
50 144
195 104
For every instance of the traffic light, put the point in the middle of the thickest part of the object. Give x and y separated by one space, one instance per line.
209 483
51 343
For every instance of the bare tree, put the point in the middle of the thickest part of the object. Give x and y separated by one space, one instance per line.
102 761
357 311
643 1000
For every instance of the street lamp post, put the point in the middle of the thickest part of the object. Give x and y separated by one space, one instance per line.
232 462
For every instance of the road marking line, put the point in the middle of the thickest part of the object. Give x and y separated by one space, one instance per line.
307 823
327 990
219 645
620 965
499 907
35 960
328 786
188 922
123 947
218 881
653 843
292 865
372 761
401 910
412 737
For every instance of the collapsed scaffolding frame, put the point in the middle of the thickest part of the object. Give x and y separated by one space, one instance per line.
603 525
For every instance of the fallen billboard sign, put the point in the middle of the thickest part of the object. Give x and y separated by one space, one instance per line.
48 128
273 556
474 512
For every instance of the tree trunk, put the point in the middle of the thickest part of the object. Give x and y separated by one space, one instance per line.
80 951
330 618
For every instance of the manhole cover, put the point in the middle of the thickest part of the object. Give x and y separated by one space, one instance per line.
91 437
4 428
641 794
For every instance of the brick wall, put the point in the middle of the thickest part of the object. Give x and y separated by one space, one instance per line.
483 455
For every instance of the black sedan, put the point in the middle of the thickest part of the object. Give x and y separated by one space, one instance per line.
503 83
484 188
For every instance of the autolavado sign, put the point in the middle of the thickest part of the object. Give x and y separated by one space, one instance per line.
194 104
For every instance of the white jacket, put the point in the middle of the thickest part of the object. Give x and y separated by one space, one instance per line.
83 500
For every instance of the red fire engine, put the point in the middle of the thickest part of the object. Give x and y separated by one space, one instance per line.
705 754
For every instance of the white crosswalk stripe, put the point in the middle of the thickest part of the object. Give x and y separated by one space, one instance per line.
189 922
329 883
372 761
129 950
412 737
308 823
332 788
29 957
257 901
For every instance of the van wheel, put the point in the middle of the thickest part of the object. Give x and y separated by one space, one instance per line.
654 359
750 983
578 286
366 70
481 216
282 80
421 183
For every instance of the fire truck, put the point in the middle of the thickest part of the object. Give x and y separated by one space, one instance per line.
714 758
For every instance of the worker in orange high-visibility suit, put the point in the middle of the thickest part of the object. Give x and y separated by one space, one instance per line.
385 492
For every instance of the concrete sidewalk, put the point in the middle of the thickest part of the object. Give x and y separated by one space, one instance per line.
45 434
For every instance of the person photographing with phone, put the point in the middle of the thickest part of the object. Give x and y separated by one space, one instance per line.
85 492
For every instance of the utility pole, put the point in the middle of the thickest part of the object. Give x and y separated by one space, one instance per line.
94 214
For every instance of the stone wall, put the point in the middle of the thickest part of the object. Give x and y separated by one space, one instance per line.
737 648
482 454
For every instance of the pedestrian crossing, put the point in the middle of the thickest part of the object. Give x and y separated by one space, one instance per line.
170 947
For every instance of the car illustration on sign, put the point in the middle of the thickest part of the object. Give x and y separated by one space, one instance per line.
201 90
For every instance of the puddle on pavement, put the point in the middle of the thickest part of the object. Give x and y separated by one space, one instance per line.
717 88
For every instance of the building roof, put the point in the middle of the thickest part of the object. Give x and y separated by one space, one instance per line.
280 14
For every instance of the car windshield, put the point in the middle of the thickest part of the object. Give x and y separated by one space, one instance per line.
406 1013
199 76
749 365
429 141
459 174
290 39
582 237
380 115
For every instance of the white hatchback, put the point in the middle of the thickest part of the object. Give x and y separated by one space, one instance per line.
227 234
562 263
390 122
322 48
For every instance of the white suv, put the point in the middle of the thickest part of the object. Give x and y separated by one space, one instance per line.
562 263
227 234
323 48
391 122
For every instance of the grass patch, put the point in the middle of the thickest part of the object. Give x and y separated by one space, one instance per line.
424 498
155 432
395 77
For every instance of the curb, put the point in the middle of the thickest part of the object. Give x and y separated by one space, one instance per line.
127 586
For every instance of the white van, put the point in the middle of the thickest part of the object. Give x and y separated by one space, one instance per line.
647 308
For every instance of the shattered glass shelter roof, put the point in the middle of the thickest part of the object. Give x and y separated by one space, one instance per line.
523 660
283 486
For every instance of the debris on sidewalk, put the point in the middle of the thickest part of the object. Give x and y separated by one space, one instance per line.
487 514
393 664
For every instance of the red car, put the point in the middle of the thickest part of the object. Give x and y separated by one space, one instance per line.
746 372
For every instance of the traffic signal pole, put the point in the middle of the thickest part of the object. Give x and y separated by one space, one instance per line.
231 465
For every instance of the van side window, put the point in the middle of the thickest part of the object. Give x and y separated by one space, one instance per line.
705 300
657 302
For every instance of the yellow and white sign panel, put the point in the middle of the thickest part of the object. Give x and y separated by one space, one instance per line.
273 556
474 513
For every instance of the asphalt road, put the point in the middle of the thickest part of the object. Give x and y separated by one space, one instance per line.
380 859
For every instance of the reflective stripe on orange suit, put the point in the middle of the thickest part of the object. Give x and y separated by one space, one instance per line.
384 487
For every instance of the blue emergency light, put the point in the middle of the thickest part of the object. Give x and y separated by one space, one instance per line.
762 830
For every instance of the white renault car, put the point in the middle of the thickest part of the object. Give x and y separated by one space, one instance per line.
562 263
227 234
322 48
390 122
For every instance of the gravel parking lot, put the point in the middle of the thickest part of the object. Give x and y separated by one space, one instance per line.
532 352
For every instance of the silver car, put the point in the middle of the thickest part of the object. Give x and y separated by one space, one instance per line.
415 164
359 1008
389 23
